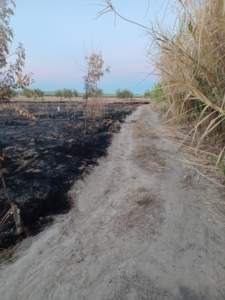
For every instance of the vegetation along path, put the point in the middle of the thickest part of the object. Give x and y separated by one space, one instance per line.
141 228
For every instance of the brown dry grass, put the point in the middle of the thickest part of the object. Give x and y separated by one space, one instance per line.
18 109
191 65
96 109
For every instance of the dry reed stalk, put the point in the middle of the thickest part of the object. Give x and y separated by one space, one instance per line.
191 66
95 109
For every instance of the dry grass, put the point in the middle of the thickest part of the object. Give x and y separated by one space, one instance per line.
192 69
19 110
96 109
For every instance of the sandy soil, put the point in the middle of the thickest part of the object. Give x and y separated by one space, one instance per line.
141 228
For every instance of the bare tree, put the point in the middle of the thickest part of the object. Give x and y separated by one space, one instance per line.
95 71
11 64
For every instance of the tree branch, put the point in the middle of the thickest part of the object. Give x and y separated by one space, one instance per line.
109 7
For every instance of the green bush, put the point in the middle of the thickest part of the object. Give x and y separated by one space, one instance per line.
68 94
59 94
93 93
75 93
37 93
7 93
96 93
13 93
124 94
28 93
147 94
155 94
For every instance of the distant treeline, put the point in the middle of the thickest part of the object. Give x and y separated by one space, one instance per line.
68 94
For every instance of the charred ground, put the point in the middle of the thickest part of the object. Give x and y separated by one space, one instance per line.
44 152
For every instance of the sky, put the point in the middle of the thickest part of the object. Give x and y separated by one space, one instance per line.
58 34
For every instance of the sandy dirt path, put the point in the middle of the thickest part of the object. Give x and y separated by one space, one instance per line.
141 229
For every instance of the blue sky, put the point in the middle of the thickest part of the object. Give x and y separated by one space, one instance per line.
58 34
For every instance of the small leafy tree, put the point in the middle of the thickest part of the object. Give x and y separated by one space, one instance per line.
95 71
11 64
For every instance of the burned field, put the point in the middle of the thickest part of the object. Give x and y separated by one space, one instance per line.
44 148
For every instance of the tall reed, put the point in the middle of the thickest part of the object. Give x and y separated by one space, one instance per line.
191 65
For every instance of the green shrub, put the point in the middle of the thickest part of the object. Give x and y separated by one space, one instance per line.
68 94
59 94
28 93
97 93
155 94
37 93
75 93
147 94
124 94
7 93
94 93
